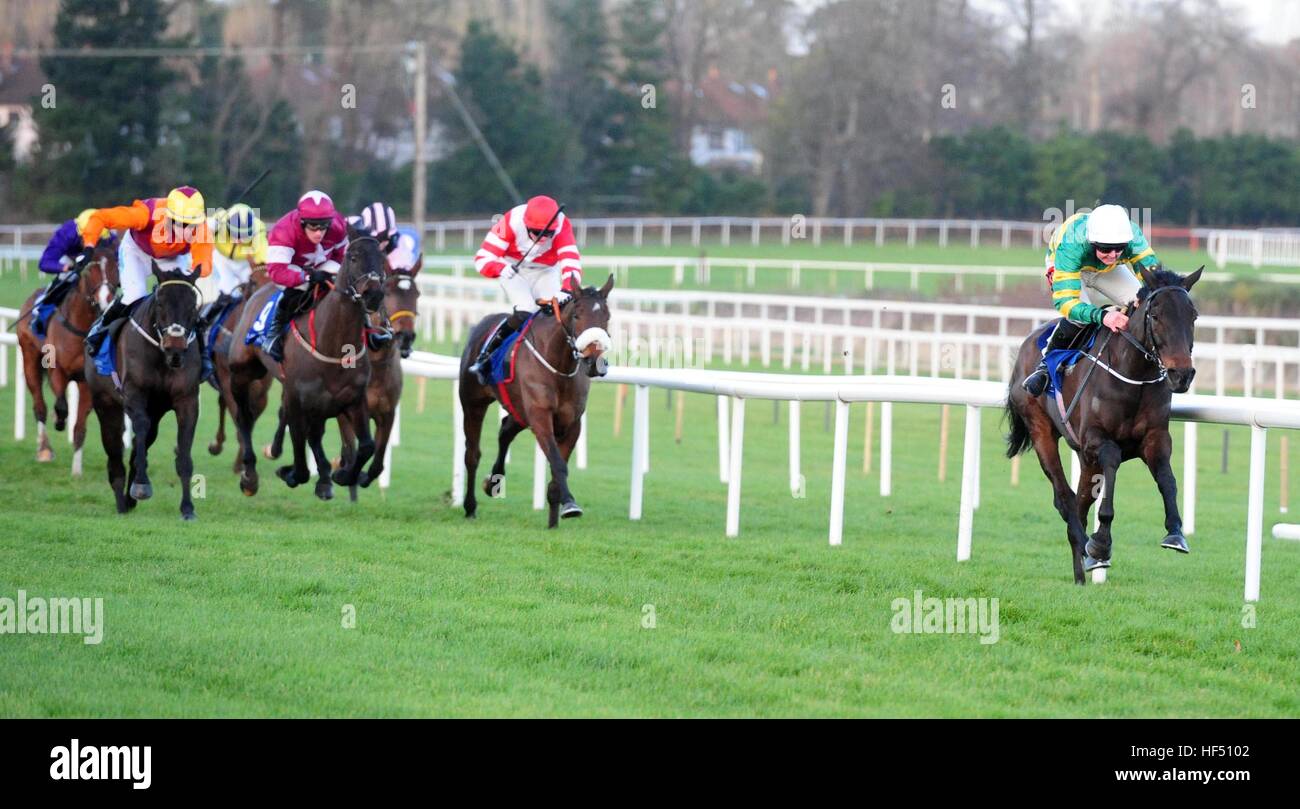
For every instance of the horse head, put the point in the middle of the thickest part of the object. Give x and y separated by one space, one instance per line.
361 278
587 320
400 296
174 313
1165 322
99 282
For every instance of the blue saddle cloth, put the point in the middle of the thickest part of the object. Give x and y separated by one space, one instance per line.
1060 360
257 331
501 364
40 316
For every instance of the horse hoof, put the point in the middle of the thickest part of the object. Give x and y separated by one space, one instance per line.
1096 550
188 516
495 486
363 479
269 453
59 424
324 491
285 473
570 509
343 478
141 491
44 455
247 486
1090 564
1176 542
214 448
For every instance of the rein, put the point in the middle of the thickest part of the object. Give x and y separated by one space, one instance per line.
568 338
173 329
352 294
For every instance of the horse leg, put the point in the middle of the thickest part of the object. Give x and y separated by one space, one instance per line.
296 473
383 429
145 430
32 374
359 415
1047 448
111 424
187 420
315 432
474 412
509 429
557 493
215 445
1108 456
79 431
243 416
1156 448
567 439
274 449
59 386
348 450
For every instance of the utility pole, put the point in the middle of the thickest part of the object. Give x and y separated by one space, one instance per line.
421 121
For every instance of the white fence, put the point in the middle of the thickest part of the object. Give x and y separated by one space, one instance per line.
1258 248
963 340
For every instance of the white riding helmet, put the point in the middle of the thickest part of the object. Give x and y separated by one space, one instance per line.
1109 224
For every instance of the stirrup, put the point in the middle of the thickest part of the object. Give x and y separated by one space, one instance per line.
1038 379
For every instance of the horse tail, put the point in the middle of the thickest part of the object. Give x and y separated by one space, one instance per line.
1018 439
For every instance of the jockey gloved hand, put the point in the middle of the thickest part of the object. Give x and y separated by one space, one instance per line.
319 276
562 297
82 259
67 276
1115 320
508 272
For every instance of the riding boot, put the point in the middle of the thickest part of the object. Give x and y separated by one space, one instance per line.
482 366
211 311
290 302
1064 337
49 300
99 330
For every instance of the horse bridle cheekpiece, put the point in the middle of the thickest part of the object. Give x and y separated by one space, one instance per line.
351 292
1152 354
172 329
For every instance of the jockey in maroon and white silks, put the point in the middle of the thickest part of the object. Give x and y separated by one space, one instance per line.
307 245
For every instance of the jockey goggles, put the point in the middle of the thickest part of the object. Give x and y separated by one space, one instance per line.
316 224
1109 248
538 233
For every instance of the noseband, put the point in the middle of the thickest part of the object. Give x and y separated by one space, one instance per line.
1152 354
351 292
172 329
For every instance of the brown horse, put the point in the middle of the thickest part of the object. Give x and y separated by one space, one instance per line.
1123 415
556 358
221 367
60 353
158 368
325 372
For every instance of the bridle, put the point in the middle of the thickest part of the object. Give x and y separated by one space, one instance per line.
350 291
172 329
401 313
1152 354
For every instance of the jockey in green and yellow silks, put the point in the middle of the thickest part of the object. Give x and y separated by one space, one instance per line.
1090 260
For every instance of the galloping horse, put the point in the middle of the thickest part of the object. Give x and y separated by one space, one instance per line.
157 368
547 393
1125 414
324 373
65 333
221 367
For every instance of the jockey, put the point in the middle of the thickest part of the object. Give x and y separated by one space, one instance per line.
239 244
1090 258
532 252
64 258
306 246
172 232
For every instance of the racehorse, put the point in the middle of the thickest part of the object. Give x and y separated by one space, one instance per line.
158 366
324 374
548 392
60 353
1123 415
221 366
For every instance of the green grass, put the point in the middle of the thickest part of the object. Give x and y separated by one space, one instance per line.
240 613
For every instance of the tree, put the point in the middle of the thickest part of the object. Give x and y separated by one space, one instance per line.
99 130
1068 167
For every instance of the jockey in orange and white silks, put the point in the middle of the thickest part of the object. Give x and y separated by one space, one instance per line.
532 252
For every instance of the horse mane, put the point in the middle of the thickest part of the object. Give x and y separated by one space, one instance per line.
1162 278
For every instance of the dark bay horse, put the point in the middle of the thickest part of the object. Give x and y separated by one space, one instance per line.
384 393
221 367
158 367
548 393
325 372
60 353
1122 413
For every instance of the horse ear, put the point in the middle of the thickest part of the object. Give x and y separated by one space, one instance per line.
607 286
1148 277
157 271
415 268
1190 280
